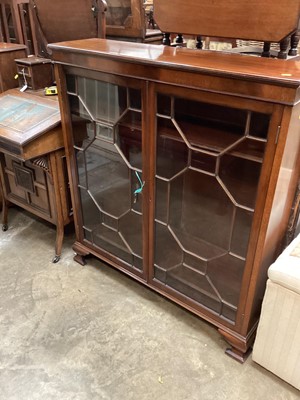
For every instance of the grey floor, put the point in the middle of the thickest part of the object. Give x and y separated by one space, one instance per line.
81 333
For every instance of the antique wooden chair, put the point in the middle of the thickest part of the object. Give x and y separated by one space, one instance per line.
66 20
15 24
127 19
269 22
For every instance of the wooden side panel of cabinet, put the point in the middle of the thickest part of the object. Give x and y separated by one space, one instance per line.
281 192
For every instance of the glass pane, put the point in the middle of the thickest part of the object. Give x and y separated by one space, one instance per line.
259 125
172 153
209 127
207 174
108 146
128 138
71 84
101 100
164 105
204 162
240 177
118 12
135 99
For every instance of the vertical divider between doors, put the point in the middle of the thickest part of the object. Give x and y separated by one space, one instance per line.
149 132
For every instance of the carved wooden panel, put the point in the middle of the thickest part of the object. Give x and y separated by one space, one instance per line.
24 177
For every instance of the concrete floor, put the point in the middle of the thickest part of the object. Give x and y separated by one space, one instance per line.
81 333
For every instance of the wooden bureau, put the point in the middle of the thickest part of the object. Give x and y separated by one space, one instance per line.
32 159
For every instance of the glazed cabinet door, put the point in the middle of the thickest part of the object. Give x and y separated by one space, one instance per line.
106 115
209 162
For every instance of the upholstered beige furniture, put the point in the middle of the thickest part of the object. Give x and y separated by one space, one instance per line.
277 344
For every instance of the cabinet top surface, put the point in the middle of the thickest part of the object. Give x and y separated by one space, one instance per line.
32 60
25 116
5 47
200 61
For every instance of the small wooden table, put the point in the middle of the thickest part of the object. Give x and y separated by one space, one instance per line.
32 159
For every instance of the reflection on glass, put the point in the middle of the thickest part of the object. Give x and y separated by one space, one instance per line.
209 159
117 12
109 166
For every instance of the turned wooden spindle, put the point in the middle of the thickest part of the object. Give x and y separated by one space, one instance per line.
199 42
284 45
179 39
266 51
166 39
294 44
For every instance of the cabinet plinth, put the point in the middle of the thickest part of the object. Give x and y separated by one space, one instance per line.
183 169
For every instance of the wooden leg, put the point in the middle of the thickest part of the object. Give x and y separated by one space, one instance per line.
59 241
240 346
284 45
166 39
294 44
79 259
237 355
80 253
4 216
266 50
54 158
199 43
179 39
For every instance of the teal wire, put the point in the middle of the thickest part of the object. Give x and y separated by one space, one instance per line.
139 190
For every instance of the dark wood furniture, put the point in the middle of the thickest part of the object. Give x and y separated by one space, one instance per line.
34 72
35 23
15 22
32 160
183 167
65 20
127 20
8 69
267 21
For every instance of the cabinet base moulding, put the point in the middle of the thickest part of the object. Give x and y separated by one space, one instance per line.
240 346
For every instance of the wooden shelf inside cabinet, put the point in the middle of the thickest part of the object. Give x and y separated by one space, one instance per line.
207 138
32 159
190 194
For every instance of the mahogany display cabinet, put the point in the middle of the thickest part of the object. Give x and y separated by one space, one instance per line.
183 167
